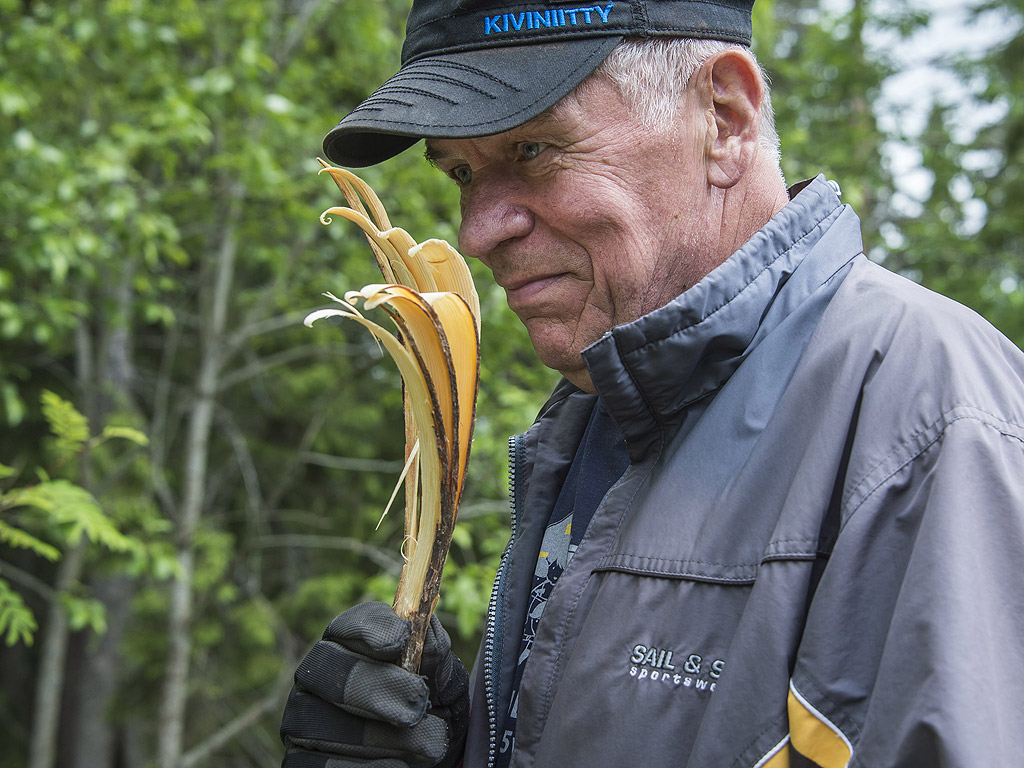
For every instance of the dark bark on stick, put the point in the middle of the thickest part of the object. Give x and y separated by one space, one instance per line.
410 658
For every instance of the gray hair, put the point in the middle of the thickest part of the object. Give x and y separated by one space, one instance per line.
651 75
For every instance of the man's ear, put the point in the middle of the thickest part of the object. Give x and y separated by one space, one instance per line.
732 93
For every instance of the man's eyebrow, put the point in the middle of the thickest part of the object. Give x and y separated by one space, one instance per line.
548 120
434 155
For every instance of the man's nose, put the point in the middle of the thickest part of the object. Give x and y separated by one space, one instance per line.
494 211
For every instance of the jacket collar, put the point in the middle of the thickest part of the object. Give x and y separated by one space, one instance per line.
649 371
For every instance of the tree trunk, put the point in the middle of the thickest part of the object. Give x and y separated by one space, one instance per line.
89 735
92 737
53 653
171 727
54 646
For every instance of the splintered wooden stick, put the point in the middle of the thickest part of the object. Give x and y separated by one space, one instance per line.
430 297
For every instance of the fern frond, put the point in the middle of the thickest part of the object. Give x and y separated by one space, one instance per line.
17 622
16 537
73 508
67 424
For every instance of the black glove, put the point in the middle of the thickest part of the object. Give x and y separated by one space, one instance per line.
351 705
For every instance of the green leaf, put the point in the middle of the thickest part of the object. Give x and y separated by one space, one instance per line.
84 612
17 621
15 537
125 433
165 566
73 508
69 426
13 405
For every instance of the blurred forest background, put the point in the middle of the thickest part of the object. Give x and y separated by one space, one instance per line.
190 479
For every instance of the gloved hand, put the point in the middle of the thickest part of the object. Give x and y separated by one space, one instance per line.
351 705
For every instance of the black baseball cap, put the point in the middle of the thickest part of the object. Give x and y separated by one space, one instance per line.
479 67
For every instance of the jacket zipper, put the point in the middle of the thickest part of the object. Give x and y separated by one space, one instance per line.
490 672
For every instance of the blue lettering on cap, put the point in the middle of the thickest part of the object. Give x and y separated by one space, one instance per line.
514 22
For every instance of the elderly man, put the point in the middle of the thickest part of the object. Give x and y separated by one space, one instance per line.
772 516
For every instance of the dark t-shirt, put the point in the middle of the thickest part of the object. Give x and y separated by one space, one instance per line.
599 462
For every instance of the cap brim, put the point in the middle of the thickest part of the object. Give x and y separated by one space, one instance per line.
463 95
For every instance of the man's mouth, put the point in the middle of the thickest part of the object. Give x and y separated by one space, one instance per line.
524 290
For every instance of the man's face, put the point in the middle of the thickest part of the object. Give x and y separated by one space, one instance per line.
586 217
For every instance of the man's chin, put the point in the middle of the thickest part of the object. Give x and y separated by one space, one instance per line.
568 363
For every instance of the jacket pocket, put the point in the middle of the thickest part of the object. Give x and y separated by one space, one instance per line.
645 665
681 664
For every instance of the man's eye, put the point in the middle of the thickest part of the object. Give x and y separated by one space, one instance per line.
530 149
462 174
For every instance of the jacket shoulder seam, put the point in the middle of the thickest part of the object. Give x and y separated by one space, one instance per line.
909 450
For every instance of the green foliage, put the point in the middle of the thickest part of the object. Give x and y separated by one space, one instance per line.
963 236
84 613
49 516
70 428
20 539
155 146
16 619
964 239
72 510
992 162
826 78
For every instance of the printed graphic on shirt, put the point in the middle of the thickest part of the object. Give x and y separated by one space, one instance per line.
555 552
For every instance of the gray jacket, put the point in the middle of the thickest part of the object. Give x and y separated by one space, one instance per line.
816 551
